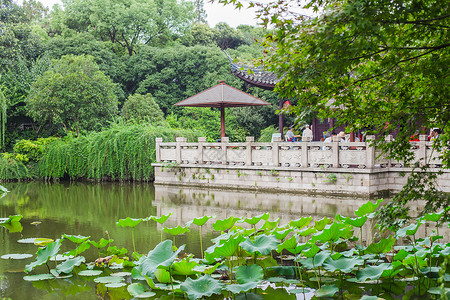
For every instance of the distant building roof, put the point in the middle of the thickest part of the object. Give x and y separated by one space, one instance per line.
254 76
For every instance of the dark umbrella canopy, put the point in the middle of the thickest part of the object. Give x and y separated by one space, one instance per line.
221 96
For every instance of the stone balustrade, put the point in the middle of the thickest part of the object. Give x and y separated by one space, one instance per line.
299 155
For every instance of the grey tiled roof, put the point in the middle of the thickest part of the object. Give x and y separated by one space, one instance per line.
222 94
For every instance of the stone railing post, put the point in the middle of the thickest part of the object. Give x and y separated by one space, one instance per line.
224 141
201 140
158 142
275 151
248 150
304 158
370 152
179 141
335 151
389 138
422 152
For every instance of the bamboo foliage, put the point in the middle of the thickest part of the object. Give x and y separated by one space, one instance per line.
122 152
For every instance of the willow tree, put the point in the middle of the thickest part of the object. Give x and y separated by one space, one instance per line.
377 65
3 109
73 93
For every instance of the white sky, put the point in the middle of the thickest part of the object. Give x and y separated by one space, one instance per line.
215 13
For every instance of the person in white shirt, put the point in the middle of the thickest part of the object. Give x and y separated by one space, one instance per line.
307 132
330 138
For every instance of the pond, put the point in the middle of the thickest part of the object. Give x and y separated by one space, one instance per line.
51 210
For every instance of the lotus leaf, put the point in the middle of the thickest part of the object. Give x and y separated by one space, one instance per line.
163 276
176 230
411 229
342 264
67 266
205 286
44 254
27 241
316 261
330 233
366 297
290 243
201 221
270 225
80 249
90 273
228 247
281 234
206 269
263 244
327 291
414 262
101 243
239 288
137 290
42 241
61 257
222 225
299 291
246 274
60 276
433 217
368 208
372 272
312 251
308 231
300 223
38 277
349 253
277 279
113 250
436 291
320 224
254 220
115 285
161 255
10 219
129 222
108 279
160 220
3 189
402 254
16 256
184 267
357 222
383 246
77 239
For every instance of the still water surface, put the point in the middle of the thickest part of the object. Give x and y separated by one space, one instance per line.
93 210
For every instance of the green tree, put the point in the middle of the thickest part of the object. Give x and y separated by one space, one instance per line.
142 108
381 65
73 93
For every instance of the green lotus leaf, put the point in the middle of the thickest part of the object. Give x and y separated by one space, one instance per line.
311 251
401 255
281 234
256 219
446 251
160 220
414 262
357 222
205 286
308 231
184 267
201 221
80 249
372 272
343 264
161 255
263 244
222 225
383 246
121 274
367 297
320 224
206 269
61 257
67 266
270 225
16 256
42 241
3 189
292 245
330 233
129 222
228 247
163 276
101 243
252 273
27 241
239 288
299 291
438 291
433 217
10 219
115 285
60 276
368 208
13 227
327 291
411 229
176 230
300 223
349 253
277 279
90 273
77 239
109 279
38 277
316 261
44 254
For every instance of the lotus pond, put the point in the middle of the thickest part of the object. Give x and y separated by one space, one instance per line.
111 241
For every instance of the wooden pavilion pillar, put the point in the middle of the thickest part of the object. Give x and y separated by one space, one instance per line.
222 119
280 119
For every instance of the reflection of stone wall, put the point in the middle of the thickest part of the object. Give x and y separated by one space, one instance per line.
189 203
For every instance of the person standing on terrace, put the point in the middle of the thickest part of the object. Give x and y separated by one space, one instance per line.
307 133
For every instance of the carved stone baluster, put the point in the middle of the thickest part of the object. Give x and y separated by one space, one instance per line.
224 141
201 141
248 150
370 152
180 141
276 151
158 142
335 149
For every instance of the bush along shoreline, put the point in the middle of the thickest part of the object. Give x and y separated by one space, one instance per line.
323 257
119 153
